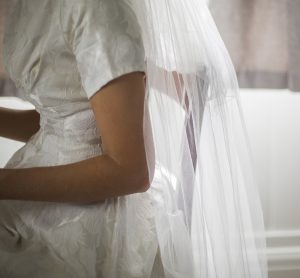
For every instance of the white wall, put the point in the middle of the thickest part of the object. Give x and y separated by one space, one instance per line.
273 121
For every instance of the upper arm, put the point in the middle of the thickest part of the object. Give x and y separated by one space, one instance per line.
119 111
106 41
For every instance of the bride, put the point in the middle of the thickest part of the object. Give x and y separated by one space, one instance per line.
136 162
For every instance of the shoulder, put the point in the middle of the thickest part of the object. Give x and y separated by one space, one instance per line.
104 37
98 11
102 10
99 19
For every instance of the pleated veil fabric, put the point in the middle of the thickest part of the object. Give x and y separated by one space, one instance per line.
209 219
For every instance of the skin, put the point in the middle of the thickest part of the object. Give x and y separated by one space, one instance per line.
18 125
120 170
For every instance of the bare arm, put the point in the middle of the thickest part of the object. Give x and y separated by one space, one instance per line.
18 125
121 170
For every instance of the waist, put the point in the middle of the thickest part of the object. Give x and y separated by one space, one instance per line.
77 126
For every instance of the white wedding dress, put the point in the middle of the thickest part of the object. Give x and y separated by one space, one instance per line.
60 55
201 217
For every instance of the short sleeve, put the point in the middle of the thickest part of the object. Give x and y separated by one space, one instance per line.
105 39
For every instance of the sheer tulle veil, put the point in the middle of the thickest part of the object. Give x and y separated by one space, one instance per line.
209 220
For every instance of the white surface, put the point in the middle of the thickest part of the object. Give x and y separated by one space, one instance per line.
273 120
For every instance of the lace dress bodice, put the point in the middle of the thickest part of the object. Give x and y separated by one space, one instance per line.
60 53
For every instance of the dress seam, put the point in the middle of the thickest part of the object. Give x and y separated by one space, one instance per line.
67 44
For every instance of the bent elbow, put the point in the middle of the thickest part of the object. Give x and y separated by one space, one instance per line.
141 181
144 184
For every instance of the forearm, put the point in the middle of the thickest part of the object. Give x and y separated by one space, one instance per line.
86 181
18 125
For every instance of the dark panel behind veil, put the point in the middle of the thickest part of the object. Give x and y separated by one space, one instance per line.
263 39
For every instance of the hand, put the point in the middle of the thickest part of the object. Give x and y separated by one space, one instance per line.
18 125
3 174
